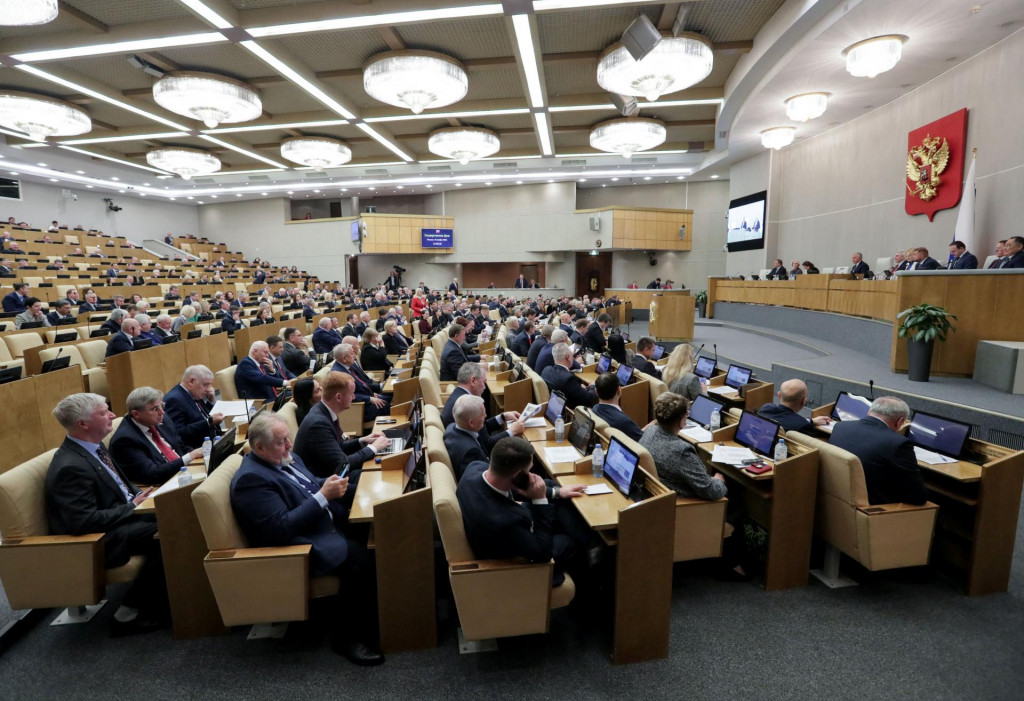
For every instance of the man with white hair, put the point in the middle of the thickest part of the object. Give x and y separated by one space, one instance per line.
190 403
545 359
465 438
367 391
559 376
86 492
887 456
255 376
325 338
146 329
148 449
124 340
472 379
164 327
113 322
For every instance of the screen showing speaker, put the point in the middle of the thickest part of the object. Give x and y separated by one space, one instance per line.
746 222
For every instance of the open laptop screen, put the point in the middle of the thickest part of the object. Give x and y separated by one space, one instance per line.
702 408
936 433
850 407
705 368
757 433
625 374
603 364
581 434
620 464
738 376
659 351
556 402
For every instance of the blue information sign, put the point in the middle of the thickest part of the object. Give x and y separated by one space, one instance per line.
437 238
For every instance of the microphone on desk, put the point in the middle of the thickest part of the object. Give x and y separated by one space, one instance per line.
871 389
54 360
715 346
697 354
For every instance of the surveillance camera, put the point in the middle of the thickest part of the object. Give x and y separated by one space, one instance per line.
74 198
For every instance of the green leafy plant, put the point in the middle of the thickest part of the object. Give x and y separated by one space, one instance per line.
701 296
925 322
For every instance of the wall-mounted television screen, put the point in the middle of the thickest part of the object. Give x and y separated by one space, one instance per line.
437 238
356 231
746 222
10 189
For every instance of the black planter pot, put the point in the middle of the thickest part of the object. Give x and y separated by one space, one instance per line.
919 360
702 309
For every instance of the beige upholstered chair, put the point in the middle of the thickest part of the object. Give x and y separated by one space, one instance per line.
224 380
251 585
95 378
39 570
432 417
523 589
288 413
18 343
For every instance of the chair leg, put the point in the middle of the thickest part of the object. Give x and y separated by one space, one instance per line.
261 631
829 574
77 614
471 647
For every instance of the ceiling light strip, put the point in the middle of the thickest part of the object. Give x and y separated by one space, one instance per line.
290 73
380 139
99 96
446 13
90 154
271 127
243 151
528 56
548 5
642 105
446 115
126 47
130 137
541 120
207 13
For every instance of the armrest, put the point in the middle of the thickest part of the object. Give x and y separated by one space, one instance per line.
523 588
260 585
53 571
260 553
512 563
694 501
898 507
37 540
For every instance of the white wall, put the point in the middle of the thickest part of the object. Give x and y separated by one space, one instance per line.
139 219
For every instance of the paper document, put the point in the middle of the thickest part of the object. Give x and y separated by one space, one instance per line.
529 412
235 407
536 423
827 428
724 389
696 433
598 489
927 456
731 455
172 484
560 454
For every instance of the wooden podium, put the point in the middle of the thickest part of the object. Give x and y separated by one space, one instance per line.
672 317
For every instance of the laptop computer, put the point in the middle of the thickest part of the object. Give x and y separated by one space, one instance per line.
222 448
701 410
705 368
581 432
415 468
171 339
556 403
938 434
850 407
10 374
659 352
620 466
57 363
66 322
738 376
33 324
604 363
757 433
625 374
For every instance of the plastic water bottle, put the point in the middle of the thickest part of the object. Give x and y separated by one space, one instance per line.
589 358
716 420
559 430
597 461
184 477
781 451
207 449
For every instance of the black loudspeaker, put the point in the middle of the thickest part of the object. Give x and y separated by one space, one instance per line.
641 37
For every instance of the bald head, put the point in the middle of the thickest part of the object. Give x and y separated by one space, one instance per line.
131 327
793 394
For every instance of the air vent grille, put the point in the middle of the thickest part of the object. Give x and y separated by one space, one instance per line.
376 171
444 168
506 164
258 179
574 162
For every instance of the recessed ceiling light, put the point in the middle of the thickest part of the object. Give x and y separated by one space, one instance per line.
142 194
120 192
53 180
680 177
519 182
41 165
456 185
604 184
427 186
291 192
647 177
115 178
401 187
345 189
488 183
172 198
89 186
714 177
614 180
13 172
583 180
264 194
146 184
213 197
190 197
238 195
317 191
201 202
551 181
80 172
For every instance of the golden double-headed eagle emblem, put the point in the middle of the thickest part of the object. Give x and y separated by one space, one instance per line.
925 163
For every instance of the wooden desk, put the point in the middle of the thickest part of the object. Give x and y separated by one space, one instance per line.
32 400
672 317
558 468
641 299
374 487
781 500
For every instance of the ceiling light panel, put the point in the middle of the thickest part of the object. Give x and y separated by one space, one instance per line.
378 20
304 83
528 58
126 47
243 151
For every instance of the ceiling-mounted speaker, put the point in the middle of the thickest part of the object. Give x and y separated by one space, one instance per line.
595 223
625 104
641 37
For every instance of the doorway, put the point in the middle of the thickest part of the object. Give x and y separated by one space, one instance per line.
593 273
353 271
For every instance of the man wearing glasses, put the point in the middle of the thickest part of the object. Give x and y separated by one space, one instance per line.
146 447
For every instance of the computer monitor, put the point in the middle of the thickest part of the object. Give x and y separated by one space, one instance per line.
757 433
705 368
222 448
939 434
581 434
619 465
64 337
142 343
625 374
603 363
66 322
702 408
556 402
96 333
196 333
171 339
10 374
33 325
738 376
659 351
850 407
57 363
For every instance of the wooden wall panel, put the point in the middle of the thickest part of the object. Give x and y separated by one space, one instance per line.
479 275
400 233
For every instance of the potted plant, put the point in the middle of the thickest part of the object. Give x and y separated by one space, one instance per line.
701 297
921 325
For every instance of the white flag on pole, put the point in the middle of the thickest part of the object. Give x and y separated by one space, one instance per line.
964 230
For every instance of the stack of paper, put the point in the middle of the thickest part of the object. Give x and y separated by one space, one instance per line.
732 455
596 489
536 423
696 433
560 454
931 458
530 411
235 407
724 389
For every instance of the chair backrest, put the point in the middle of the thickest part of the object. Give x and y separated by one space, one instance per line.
840 473
322 373
92 352
225 382
541 391
883 264
18 343
988 261
65 352
827 271
23 498
656 388
448 514
439 340
432 417
436 449
33 282
212 500
5 353
288 413
430 386
113 429
600 425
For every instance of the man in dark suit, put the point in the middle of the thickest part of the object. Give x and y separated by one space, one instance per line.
112 272
295 355
275 344
499 527
259 277
960 258
324 449
609 391
324 337
594 337
654 284
998 262
543 339
792 398
351 321
465 438
232 321
86 492
367 390
61 311
114 321
15 301
559 376
778 272
1014 250
145 447
922 261
256 377
642 358
172 294
124 340
452 356
454 287
91 302
859 267
277 501
7 268
520 283
189 404
900 262
473 381
520 345
887 456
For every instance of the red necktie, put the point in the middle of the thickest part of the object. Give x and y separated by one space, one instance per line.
260 366
162 446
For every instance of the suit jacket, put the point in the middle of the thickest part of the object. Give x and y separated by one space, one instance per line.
535 350
778 274
119 343
252 382
968 261
191 418
594 338
520 345
464 449
366 389
1014 261
890 466
295 359
53 318
112 272
558 378
785 417
996 264
140 460
152 335
928 263
319 442
373 358
646 366
259 278
274 510
324 341
653 285
13 302
229 324
453 288
452 358
82 497
860 269
492 430
498 527
616 418
395 344
86 307
520 284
